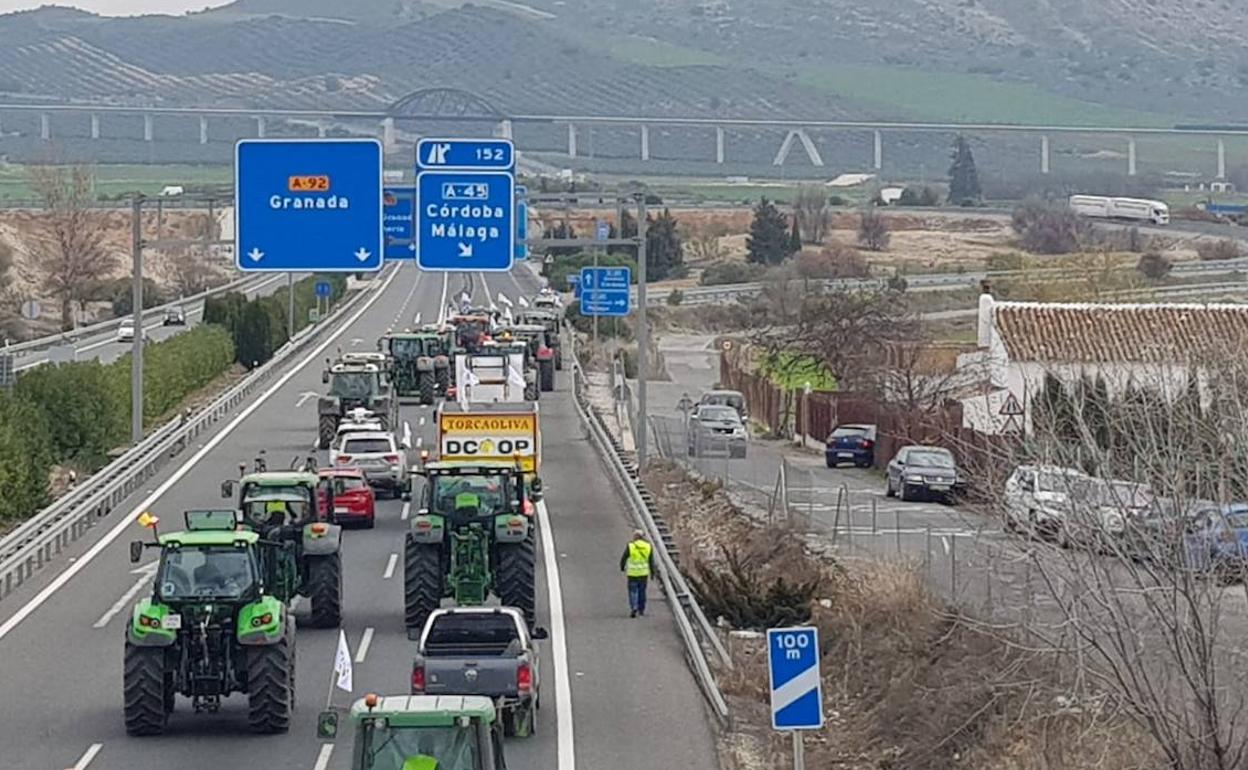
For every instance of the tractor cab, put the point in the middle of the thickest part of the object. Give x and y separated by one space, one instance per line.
466 492
354 384
400 732
420 363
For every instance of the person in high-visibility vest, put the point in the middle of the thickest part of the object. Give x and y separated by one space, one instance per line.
638 564
421 762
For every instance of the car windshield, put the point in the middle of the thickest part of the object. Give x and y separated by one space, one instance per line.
930 458
487 495
217 572
1128 495
723 413
450 632
385 748
354 385
1068 483
724 399
367 446
348 484
410 347
275 505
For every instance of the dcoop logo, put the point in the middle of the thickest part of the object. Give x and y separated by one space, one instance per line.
467 447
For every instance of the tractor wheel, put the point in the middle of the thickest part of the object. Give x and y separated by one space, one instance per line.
325 590
546 371
442 377
427 385
516 578
271 685
422 582
327 427
532 392
144 684
559 360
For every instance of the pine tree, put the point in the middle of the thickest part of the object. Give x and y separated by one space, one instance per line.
665 254
768 242
964 187
795 238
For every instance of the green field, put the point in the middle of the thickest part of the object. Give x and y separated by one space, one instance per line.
112 181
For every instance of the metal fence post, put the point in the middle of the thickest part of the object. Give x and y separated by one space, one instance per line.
897 529
953 564
875 513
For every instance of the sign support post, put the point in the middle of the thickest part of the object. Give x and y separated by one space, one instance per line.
136 347
640 430
799 751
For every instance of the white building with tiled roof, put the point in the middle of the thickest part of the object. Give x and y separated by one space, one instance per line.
1156 346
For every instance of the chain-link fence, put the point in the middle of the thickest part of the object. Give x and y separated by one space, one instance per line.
967 560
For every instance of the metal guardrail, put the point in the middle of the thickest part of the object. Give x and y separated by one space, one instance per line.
41 538
87 331
705 295
696 632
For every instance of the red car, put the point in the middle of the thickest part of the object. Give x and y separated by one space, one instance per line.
354 501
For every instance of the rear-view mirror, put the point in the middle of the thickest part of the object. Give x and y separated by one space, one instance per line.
136 551
540 633
325 377
227 488
327 725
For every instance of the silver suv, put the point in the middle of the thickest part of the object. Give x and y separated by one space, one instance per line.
382 458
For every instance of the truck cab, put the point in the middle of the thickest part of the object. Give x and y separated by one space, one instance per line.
458 732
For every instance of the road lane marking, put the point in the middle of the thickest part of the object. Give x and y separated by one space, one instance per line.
86 758
407 511
128 520
945 542
390 565
365 641
420 441
558 645
147 571
322 759
442 302
422 421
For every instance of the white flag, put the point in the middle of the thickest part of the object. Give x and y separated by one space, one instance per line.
524 302
503 300
342 662
466 380
514 378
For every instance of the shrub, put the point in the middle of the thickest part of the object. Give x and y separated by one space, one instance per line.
84 406
1048 228
835 260
1153 265
675 297
721 273
918 196
25 456
1224 248
873 230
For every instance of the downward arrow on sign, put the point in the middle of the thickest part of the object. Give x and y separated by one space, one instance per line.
465 249
256 254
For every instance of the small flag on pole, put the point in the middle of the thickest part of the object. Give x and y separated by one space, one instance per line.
342 663
514 378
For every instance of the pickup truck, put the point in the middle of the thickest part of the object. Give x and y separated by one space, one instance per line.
482 651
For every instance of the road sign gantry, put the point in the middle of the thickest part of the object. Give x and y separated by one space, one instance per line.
310 205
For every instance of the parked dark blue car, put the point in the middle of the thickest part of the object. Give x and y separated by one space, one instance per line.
851 444
1217 541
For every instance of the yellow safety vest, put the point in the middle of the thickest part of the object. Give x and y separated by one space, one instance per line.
638 564
420 762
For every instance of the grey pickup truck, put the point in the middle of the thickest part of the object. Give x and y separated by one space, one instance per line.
482 651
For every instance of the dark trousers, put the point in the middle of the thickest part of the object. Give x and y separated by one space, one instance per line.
637 594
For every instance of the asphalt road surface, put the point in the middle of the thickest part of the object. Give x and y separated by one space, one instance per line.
616 691
105 347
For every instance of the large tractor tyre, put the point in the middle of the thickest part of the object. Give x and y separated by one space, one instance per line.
271 685
427 385
422 582
519 721
145 694
325 590
326 428
383 416
546 372
517 578
532 392
558 359
442 376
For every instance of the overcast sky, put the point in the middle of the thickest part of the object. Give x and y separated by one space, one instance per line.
116 7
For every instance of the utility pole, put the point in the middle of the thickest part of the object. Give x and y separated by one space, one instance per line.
290 306
641 430
136 348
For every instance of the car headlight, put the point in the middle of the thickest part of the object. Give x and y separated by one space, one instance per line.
914 479
1113 522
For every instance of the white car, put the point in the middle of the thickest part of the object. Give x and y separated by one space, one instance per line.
1063 503
125 331
357 420
382 458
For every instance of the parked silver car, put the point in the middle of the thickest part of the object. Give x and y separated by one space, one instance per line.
716 429
922 471
1065 504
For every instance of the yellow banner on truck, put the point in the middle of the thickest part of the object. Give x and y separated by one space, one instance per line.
490 432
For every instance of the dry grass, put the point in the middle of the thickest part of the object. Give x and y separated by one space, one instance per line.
910 683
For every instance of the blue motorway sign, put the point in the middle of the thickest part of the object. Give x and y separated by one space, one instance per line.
793 669
574 283
308 205
466 220
466 154
602 230
522 224
398 222
605 291
323 289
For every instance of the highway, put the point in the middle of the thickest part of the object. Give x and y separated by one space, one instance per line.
105 347
616 691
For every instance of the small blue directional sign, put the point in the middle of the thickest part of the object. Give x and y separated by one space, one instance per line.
323 289
308 205
574 283
603 230
466 154
465 205
605 291
398 222
796 688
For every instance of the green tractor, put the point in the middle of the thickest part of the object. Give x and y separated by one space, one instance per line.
401 732
290 507
550 321
472 535
356 380
421 361
212 626
535 336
